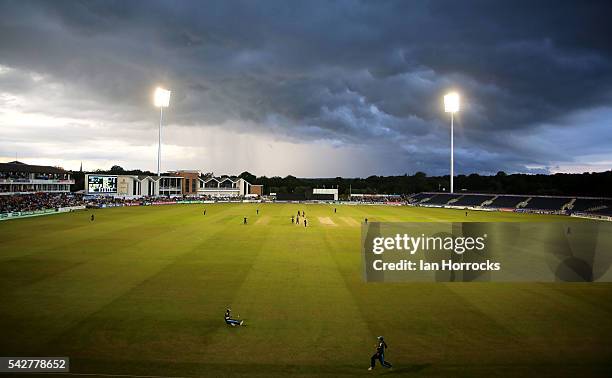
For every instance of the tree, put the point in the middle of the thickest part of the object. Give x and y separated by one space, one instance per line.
249 177
117 169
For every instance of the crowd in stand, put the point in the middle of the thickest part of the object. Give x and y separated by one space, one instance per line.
43 201
109 201
38 201
380 198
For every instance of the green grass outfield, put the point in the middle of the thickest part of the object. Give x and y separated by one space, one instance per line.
142 291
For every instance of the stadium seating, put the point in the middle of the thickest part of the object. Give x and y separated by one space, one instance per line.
596 206
440 199
507 201
586 204
472 200
38 201
419 197
535 203
607 211
547 203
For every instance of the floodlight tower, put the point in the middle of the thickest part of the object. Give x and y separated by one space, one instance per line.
451 105
161 99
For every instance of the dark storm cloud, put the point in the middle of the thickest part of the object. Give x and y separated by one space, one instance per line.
346 72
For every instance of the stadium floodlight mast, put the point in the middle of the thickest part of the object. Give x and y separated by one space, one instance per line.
451 105
161 99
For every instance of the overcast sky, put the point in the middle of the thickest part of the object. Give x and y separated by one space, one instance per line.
308 88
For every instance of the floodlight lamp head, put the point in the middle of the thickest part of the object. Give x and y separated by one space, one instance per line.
161 97
451 102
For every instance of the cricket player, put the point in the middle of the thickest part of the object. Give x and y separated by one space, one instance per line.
230 321
381 345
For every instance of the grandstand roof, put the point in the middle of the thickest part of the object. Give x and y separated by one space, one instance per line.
17 166
222 179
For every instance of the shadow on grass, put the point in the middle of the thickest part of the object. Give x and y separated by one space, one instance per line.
166 369
406 369
90 367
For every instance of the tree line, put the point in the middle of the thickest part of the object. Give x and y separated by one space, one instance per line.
595 184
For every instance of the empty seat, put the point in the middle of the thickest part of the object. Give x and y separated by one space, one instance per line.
441 199
419 197
607 211
547 203
507 201
472 200
586 204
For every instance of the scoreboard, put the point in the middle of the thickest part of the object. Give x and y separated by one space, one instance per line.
98 184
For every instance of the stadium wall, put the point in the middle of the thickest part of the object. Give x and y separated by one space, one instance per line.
36 213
